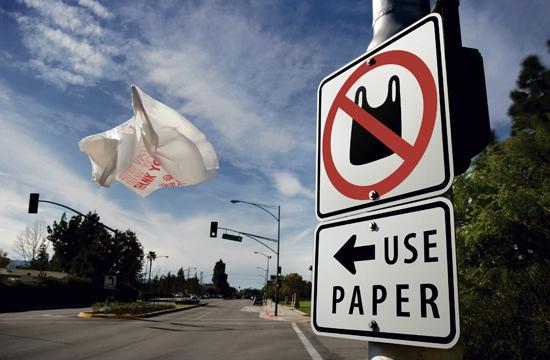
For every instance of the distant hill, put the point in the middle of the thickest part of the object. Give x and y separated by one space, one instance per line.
17 263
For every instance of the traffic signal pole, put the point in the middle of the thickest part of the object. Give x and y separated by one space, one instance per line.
34 199
214 232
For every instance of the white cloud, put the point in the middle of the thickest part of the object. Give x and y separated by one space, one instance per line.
67 44
57 76
96 8
289 185
29 115
70 18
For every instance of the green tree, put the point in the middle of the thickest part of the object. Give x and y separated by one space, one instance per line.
293 283
166 284
219 279
4 260
502 207
42 260
193 287
126 257
151 256
180 280
84 248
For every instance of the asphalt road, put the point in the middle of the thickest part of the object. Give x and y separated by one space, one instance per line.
225 329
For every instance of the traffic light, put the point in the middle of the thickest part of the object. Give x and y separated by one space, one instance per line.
214 229
470 128
33 203
278 285
468 109
280 270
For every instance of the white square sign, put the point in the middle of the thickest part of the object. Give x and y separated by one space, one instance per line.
383 132
389 276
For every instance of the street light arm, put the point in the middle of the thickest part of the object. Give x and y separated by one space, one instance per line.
259 252
79 213
258 206
258 236
253 237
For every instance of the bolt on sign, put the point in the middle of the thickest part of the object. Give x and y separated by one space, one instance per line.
383 132
389 276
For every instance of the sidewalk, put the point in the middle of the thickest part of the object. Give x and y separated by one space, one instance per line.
284 313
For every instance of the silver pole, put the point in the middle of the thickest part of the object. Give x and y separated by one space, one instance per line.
388 18
278 249
391 16
267 272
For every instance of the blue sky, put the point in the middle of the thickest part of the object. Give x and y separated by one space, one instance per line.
245 72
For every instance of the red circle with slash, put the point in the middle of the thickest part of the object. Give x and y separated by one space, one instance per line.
411 154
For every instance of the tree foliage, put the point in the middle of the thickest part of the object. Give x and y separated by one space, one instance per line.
4 260
82 247
502 207
42 260
219 279
292 283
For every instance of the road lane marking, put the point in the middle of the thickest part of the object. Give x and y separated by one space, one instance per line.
309 348
201 316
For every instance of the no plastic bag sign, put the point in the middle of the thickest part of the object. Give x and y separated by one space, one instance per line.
399 149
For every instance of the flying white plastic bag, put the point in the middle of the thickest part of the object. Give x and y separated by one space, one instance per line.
156 148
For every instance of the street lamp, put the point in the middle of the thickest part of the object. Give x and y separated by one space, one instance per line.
278 218
261 268
267 270
189 271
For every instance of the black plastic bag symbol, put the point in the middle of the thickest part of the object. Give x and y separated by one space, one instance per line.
364 147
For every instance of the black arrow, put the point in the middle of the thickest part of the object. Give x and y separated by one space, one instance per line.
349 254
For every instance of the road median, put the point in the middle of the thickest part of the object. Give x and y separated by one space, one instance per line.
90 314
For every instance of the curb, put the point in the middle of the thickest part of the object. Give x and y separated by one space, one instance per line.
268 316
89 315
296 310
300 312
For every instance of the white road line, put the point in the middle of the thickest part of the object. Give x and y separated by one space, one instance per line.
201 316
309 348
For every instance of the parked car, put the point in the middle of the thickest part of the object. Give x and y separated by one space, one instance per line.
258 301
